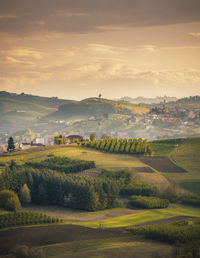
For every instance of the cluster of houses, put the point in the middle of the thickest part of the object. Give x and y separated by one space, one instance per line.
41 142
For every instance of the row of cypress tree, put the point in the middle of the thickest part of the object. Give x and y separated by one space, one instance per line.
130 146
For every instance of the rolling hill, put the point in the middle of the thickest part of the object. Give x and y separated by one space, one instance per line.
18 112
155 100
96 107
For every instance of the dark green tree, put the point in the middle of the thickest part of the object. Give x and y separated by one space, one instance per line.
11 145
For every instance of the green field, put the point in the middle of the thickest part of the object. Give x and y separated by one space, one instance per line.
193 187
183 152
116 247
187 155
111 218
162 148
145 216
102 160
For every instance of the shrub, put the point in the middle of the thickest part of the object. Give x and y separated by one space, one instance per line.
9 200
62 164
148 202
22 251
170 193
170 233
192 200
121 176
13 204
143 189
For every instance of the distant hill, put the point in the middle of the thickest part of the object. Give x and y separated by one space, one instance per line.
19 110
139 100
12 101
189 100
95 107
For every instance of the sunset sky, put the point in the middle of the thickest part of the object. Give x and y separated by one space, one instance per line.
76 49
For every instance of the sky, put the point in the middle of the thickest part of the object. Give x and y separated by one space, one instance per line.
75 49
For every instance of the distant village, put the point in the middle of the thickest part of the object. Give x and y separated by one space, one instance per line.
163 121
41 142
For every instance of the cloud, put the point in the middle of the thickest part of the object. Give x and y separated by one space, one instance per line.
101 49
63 16
7 16
149 48
195 34
13 60
21 56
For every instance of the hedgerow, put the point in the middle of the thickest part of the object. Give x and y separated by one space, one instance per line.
171 233
148 202
126 183
122 177
138 188
193 200
63 164
25 218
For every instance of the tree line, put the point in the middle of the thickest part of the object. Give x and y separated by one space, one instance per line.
148 202
51 187
127 186
181 232
130 146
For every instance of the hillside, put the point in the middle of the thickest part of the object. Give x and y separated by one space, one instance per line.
155 100
78 232
189 100
19 111
23 100
96 107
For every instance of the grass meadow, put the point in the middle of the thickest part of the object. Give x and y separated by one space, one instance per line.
103 160
127 246
145 216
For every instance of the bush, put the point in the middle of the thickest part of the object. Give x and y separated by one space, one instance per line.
9 200
148 202
193 200
13 204
143 189
121 176
22 251
62 164
170 233
170 193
